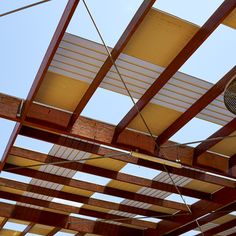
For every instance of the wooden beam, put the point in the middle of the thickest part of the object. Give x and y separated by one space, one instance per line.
54 231
232 165
115 175
27 229
64 221
3 223
73 209
116 51
220 228
94 187
224 197
195 42
222 132
42 117
78 198
96 149
197 107
55 41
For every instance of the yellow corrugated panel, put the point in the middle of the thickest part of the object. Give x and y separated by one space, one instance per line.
7 232
162 209
202 186
157 117
224 219
22 161
19 221
124 186
160 37
77 191
94 208
41 229
226 146
107 163
61 91
231 20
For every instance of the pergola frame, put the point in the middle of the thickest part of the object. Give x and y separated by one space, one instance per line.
52 125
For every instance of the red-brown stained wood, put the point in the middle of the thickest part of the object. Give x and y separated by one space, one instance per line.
63 221
186 154
222 132
224 197
56 39
73 209
115 175
195 42
197 107
116 51
94 187
27 229
221 228
78 198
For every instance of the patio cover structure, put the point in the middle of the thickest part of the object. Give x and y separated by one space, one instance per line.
147 56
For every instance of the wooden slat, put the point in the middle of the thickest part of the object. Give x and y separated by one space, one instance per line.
199 209
120 45
3 223
220 228
78 198
94 187
222 132
54 231
54 120
195 42
115 175
197 107
73 209
64 221
56 39
27 229
96 149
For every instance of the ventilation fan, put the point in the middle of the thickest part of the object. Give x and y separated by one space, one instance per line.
230 96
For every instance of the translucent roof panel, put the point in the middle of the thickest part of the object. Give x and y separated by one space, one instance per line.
15 177
106 197
14 226
186 9
177 198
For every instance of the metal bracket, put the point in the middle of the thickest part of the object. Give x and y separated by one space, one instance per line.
20 109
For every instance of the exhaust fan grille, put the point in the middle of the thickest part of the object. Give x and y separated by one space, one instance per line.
230 96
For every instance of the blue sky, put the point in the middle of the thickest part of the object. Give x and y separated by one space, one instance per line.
25 37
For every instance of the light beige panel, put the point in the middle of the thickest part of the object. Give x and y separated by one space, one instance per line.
61 91
123 186
77 191
224 219
158 118
41 229
107 163
202 186
226 146
160 37
162 209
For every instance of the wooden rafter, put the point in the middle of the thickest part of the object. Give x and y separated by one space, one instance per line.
27 229
200 209
115 175
42 117
96 149
195 42
222 132
73 209
94 187
64 221
197 107
116 51
56 39
220 228
54 231
3 223
78 198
